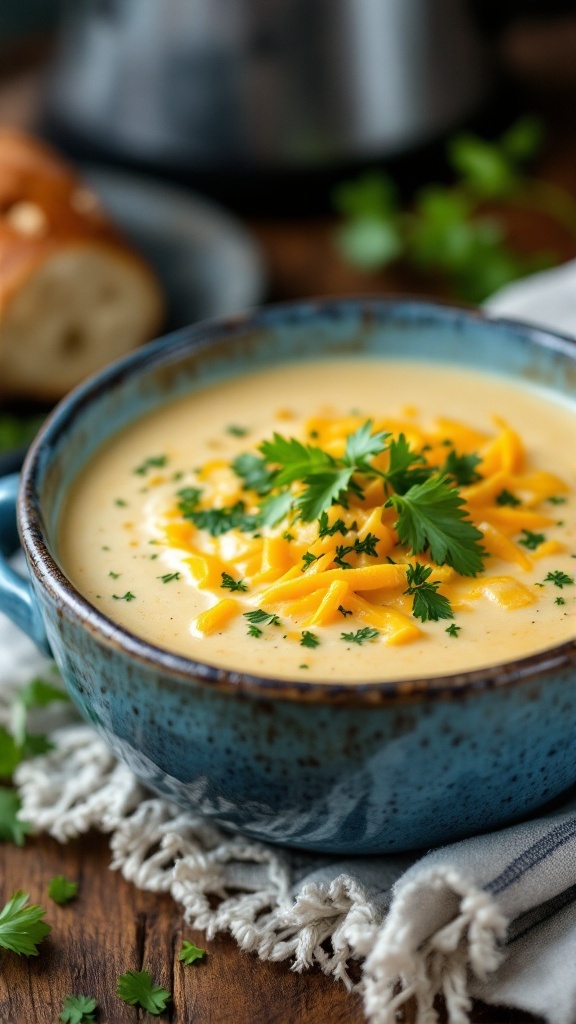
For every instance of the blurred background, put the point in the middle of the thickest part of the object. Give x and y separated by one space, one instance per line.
257 150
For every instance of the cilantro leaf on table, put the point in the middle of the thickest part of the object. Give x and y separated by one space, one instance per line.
12 830
137 989
21 926
189 952
61 890
427 605
431 517
78 1010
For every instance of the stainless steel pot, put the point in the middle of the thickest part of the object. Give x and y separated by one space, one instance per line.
265 84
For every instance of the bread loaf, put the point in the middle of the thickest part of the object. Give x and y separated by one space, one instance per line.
73 293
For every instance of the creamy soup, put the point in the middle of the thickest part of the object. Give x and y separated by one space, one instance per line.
343 521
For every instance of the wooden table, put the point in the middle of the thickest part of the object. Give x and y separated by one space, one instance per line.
113 927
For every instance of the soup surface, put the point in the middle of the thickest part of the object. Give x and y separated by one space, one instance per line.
346 521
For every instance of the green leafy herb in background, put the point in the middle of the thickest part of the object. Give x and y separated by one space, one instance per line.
447 230
136 988
189 952
61 890
21 926
78 1010
17 431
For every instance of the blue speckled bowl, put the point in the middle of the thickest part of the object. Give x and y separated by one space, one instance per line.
373 768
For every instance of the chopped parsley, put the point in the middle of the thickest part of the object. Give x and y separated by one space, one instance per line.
236 431
308 558
338 526
453 630
137 989
557 499
531 540
219 520
115 575
120 502
361 635
153 462
507 498
254 631
560 600
253 471
259 617
428 605
462 468
309 639
559 579
168 577
229 583
61 890
128 596
359 547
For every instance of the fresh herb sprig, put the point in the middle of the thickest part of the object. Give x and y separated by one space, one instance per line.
22 926
428 604
137 989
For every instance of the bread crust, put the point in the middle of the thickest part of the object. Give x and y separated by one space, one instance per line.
45 210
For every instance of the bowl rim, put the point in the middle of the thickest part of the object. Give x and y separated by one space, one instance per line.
201 335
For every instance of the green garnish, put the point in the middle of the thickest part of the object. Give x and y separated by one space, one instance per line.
136 988
236 431
338 526
260 617
188 503
219 520
189 952
22 927
507 498
560 600
120 502
114 575
531 540
428 605
407 467
78 1010
359 547
344 611
153 462
308 558
309 639
430 516
559 579
453 630
12 830
168 577
462 468
61 890
128 596
367 633
229 583
557 499
325 478
254 631
254 472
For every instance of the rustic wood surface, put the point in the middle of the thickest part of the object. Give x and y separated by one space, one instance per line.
113 927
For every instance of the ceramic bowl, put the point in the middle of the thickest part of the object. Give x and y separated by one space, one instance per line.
365 769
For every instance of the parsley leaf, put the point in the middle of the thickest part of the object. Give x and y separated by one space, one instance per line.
189 952
531 540
78 1010
236 431
189 499
168 577
254 472
309 639
367 633
12 830
308 558
260 617
453 630
219 520
22 927
136 988
559 579
338 526
229 583
154 462
430 516
363 445
406 467
462 468
427 604
275 508
61 890
507 498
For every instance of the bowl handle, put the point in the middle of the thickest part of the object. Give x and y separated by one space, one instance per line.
17 599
